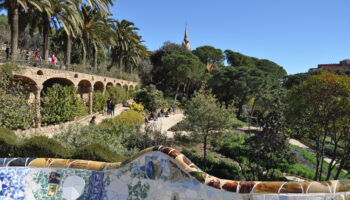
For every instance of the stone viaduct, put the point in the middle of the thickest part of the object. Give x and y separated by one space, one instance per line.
39 79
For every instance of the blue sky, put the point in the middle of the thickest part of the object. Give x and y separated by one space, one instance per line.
296 34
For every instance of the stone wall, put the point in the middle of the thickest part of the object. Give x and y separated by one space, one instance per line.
156 173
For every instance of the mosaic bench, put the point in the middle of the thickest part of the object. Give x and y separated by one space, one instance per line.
155 173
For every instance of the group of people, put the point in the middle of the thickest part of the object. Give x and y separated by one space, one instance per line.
155 115
110 106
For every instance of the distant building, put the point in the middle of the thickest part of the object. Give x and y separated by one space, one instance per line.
186 43
343 65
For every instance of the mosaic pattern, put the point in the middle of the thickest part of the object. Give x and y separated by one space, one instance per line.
155 173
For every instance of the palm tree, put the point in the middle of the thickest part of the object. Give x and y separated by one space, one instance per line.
93 32
127 48
12 7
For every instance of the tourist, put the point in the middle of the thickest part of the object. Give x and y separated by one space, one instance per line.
112 107
27 56
50 59
109 106
7 53
93 120
146 119
53 60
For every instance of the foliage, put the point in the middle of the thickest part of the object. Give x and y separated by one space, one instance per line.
82 109
109 136
209 54
150 97
129 118
99 101
42 146
117 93
8 143
136 107
59 104
240 85
183 69
96 152
236 59
222 168
15 111
206 117
321 106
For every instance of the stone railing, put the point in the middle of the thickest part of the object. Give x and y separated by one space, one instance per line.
155 173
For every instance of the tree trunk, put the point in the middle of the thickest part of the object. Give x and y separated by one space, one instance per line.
14 32
68 50
317 158
121 66
205 149
322 155
46 37
95 58
331 165
177 91
84 56
340 168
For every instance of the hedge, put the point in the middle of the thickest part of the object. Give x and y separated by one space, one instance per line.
96 152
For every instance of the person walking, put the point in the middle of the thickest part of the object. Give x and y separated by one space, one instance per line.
7 52
112 107
109 106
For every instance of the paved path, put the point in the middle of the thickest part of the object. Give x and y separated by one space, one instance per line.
54 129
165 123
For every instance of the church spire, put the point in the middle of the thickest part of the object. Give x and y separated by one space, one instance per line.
186 43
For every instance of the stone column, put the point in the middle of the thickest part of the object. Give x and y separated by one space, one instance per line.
91 89
37 93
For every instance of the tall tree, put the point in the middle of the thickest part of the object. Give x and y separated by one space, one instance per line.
205 116
13 7
208 52
321 105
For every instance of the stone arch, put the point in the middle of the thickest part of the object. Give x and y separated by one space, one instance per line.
54 81
131 87
84 87
98 86
118 84
109 84
126 87
30 86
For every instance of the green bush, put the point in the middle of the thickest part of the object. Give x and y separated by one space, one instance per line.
150 97
99 101
42 146
8 143
130 118
15 111
59 104
221 168
117 93
96 152
82 109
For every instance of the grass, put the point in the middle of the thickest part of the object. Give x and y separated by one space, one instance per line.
312 158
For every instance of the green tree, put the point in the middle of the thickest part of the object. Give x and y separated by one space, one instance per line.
321 105
205 116
150 97
208 52
184 68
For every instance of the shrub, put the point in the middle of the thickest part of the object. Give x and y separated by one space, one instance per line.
96 152
130 118
42 146
99 101
150 97
117 93
8 142
59 104
221 168
82 109
15 111
136 107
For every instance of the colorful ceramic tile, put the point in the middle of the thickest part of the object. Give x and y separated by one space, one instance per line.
54 182
96 188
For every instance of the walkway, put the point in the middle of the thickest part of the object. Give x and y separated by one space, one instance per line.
49 131
165 123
